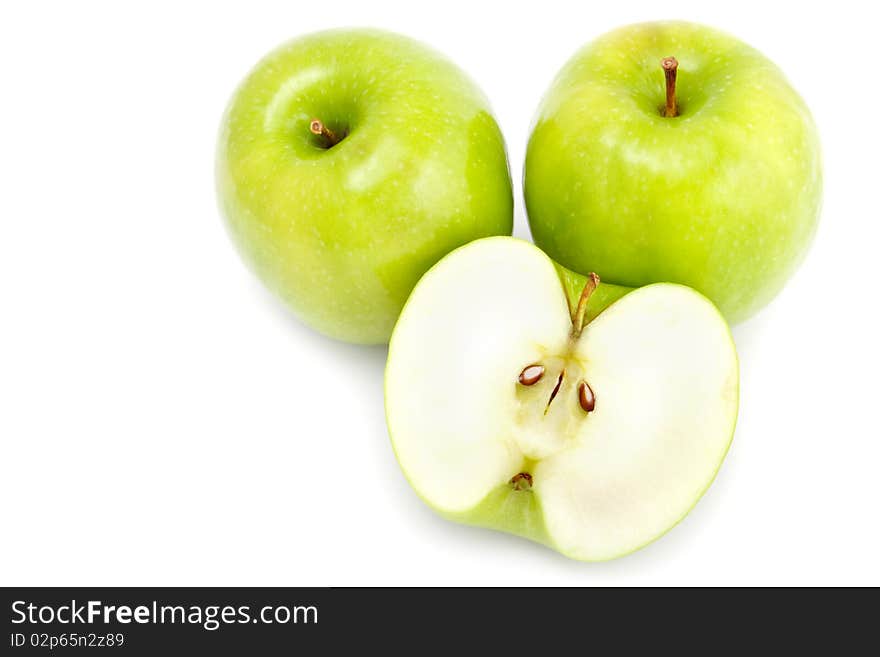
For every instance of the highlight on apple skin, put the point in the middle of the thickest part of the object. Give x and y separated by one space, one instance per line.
718 187
348 163
521 397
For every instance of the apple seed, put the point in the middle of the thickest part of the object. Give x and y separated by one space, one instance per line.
555 391
531 374
586 397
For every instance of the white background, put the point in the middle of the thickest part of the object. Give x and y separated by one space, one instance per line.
163 420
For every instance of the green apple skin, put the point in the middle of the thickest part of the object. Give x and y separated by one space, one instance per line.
725 197
342 234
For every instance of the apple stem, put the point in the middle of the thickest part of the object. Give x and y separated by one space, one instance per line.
670 68
317 127
578 322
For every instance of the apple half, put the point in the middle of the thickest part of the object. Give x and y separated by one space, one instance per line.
507 408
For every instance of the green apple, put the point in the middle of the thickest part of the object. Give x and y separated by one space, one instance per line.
349 162
720 192
508 408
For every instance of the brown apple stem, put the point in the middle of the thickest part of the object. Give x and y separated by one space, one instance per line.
670 68
317 127
581 312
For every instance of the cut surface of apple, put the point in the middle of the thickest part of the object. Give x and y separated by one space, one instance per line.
504 412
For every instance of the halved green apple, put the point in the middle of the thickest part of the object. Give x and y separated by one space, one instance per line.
508 408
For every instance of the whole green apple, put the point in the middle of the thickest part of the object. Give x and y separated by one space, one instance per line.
349 162
673 152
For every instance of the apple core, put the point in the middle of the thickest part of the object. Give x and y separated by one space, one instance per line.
551 407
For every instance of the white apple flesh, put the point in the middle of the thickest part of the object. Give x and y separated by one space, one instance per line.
503 413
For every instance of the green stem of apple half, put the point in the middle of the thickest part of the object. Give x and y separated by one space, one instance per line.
579 316
595 301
